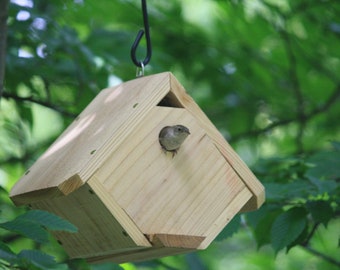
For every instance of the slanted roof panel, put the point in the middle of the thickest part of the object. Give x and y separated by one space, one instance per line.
83 146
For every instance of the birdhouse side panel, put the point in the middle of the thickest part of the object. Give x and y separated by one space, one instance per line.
98 234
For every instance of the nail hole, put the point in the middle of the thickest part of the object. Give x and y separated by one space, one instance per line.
27 172
92 152
91 191
135 105
125 233
59 242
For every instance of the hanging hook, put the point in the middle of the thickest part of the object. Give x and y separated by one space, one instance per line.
140 34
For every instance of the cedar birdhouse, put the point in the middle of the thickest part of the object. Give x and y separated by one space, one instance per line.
108 175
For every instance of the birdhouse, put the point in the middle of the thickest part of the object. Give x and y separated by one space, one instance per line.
131 200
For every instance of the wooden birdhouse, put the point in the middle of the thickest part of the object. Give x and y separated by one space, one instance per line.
108 175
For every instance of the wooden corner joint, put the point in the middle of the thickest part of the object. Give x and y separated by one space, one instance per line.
254 202
175 240
70 185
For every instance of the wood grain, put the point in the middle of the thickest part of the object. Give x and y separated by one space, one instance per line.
100 128
165 195
226 150
99 232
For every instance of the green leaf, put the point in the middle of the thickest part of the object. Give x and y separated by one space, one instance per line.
287 227
48 220
7 254
26 113
33 224
37 258
263 226
27 228
323 186
79 264
321 211
29 259
286 191
300 240
326 165
4 247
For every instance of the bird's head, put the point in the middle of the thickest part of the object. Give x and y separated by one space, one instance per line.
181 131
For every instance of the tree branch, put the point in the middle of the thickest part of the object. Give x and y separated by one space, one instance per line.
302 115
257 132
40 102
321 255
3 37
333 98
329 102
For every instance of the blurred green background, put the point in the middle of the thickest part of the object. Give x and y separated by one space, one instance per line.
265 72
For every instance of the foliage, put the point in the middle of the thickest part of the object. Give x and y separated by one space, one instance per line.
299 199
303 196
265 72
34 225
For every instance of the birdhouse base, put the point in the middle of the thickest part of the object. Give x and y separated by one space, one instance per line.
141 255
131 201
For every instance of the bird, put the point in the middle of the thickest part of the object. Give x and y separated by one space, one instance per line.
172 137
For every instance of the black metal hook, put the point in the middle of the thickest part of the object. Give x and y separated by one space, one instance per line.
140 34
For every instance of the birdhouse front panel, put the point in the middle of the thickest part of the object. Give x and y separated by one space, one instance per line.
173 196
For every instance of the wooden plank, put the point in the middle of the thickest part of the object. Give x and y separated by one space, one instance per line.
120 215
175 240
140 255
31 197
227 151
229 212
